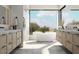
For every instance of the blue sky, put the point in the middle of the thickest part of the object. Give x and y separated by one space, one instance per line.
69 16
49 18
44 18
75 15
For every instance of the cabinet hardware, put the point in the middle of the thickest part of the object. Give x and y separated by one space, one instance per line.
10 43
3 34
77 35
3 46
77 45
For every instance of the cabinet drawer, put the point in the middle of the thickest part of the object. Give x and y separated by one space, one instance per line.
14 40
69 37
14 35
2 40
9 48
75 49
14 45
68 46
59 37
3 50
76 39
18 34
9 38
18 41
63 35
64 42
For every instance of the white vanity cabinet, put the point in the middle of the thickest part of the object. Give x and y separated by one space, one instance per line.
3 44
14 40
70 41
9 42
59 36
76 44
18 34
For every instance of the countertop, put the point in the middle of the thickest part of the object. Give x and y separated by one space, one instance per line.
70 31
8 31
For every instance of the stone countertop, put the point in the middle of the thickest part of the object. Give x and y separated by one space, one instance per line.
70 31
8 31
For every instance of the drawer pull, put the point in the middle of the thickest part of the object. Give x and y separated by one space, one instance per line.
68 41
77 45
10 43
3 34
3 46
77 35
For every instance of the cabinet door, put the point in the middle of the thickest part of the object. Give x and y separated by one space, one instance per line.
14 40
63 37
75 49
9 38
9 42
69 37
18 41
3 40
76 39
3 44
9 48
3 50
68 46
18 34
59 37
18 38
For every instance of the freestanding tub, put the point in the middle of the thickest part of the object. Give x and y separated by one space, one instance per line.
47 36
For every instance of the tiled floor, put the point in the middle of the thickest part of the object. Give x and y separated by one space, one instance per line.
33 47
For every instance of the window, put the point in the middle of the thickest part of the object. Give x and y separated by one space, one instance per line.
70 17
44 18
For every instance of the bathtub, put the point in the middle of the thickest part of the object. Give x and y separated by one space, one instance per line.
47 36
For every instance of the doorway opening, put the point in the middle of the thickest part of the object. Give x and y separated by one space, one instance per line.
43 25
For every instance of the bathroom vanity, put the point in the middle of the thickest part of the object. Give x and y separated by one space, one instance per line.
69 39
11 27
9 40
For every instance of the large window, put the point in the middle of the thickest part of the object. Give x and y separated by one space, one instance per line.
43 19
70 17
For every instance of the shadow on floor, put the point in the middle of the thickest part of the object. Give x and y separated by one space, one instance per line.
52 50
58 50
27 51
32 51
40 42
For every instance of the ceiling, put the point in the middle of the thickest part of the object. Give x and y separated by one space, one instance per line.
53 7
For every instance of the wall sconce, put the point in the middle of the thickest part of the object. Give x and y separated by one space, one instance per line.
15 22
2 20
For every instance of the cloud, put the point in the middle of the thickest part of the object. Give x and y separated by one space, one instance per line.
45 18
39 22
46 13
67 17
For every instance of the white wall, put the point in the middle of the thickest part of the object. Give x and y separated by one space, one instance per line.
26 30
57 7
2 12
17 10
